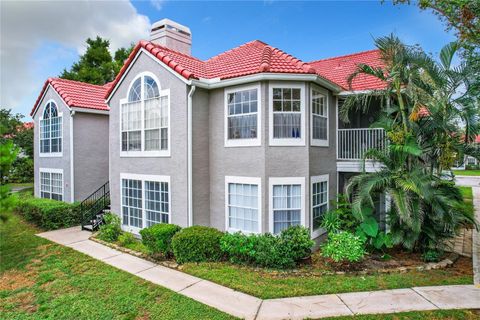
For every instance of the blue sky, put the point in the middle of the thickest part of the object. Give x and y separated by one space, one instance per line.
307 30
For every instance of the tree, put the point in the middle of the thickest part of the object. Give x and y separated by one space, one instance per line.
8 153
96 65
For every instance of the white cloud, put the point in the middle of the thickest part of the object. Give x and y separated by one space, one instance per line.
157 4
28 26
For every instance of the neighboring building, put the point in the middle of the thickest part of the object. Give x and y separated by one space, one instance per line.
248 140
70 140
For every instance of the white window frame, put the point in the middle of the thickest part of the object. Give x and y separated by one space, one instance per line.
318 179
143 152
284 141
50 170
59 115
244 142
285 181
243 180
143 178
319 142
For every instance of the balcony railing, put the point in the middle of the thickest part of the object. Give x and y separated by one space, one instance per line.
353 143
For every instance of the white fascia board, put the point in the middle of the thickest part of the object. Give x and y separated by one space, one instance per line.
86 110
218 83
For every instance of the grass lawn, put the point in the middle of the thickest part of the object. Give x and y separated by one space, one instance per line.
21 185
467 193
466 172
40 279
419 315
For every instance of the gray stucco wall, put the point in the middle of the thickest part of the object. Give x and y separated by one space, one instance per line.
91 146
45 161
174 166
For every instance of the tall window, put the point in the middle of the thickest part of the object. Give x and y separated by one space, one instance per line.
51 184
145 200
242 117
243 204
319 120
287 203
287 115
51 130
145 117
319 202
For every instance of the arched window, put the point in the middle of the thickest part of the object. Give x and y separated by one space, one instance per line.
145 116
51 129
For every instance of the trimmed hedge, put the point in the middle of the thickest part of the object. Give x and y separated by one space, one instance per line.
266 250
158 238
197 244
48 214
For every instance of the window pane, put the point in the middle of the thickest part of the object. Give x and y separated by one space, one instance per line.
132 202
287 204
243 207
242 114
319 202
151 88
319 127
156 203
287 125
135 93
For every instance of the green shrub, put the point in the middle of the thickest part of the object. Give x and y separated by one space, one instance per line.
344 247
432 255
267 250
111 230
197 244
126 239
158 238
48 214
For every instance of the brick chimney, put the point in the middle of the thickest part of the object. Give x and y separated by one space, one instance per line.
172 35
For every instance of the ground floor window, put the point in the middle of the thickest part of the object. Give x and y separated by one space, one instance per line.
145 200
242 204
319 201
51 184
287 203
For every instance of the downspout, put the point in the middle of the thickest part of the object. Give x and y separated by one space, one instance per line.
189 156
72 167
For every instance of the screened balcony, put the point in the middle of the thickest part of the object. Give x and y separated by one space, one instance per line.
353 143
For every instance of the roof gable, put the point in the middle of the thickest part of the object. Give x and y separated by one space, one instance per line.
75 94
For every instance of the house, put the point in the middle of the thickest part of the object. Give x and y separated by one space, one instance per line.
70 140
248 140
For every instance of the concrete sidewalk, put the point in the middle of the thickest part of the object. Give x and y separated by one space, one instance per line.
242 305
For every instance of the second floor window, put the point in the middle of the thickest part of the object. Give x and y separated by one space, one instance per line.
242 122
51 130
145 117
319 118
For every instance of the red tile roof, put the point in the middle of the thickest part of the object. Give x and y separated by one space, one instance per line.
251 58
76 94
338 69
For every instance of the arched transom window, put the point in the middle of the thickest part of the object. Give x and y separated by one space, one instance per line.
145 117
51 129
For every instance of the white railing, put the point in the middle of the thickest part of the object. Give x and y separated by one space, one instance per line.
353 143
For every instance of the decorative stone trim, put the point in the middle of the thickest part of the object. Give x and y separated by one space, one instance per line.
445 263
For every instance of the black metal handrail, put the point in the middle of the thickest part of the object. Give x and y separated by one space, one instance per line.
92 207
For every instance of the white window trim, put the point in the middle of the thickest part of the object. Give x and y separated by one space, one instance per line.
317 179
279 141
285 181
50 170
143 178
244 180
59 115
244 142
319 142
143 153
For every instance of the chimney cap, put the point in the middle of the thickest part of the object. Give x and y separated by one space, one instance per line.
167 22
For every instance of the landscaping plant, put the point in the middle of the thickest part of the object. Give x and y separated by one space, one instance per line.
110 230
197 244
126 238
344 247
158 238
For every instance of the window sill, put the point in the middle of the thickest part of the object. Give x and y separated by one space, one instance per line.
287 142
232 230
145 154
51 155
232 143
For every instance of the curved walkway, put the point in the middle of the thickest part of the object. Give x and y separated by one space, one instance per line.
248 307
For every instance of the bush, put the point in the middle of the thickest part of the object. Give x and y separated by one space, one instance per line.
48 214
158 238
267 250
432 255
126 238
344 247
197 244
111 230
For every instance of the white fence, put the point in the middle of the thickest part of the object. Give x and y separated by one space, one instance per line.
353 143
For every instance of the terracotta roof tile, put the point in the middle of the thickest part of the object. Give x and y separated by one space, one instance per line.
77 94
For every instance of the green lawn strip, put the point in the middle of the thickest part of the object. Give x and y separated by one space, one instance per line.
40 279
466 172
419 315
267 285
467 193
21 185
